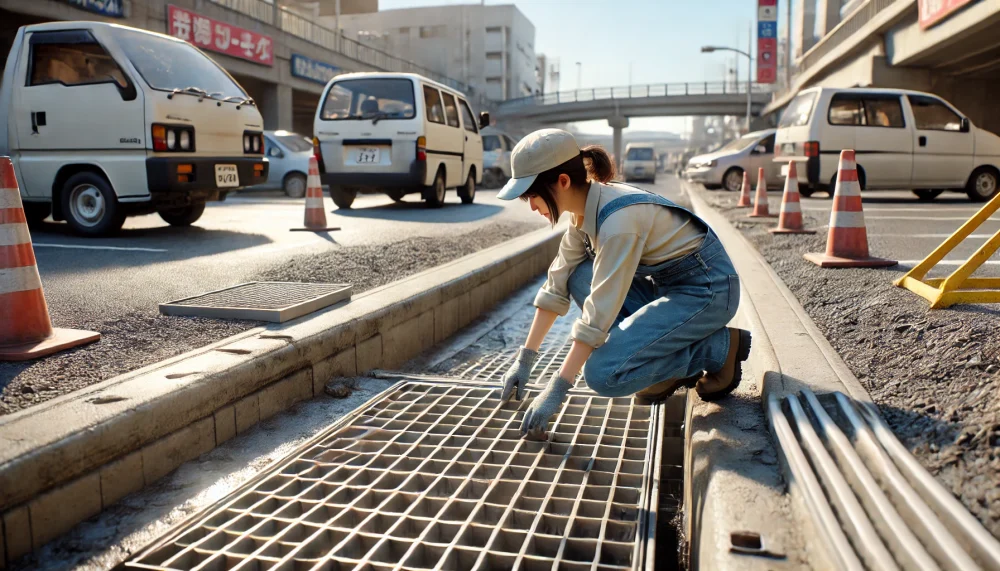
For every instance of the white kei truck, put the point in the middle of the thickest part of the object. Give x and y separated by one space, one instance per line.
104 121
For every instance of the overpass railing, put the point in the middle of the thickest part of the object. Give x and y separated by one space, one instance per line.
634 91
301 27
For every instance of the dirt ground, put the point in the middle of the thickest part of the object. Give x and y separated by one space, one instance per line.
934 374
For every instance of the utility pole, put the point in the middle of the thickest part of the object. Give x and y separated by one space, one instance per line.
749 69
788 44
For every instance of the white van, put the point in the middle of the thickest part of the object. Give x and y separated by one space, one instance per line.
105 121
640 162
902 140
397 133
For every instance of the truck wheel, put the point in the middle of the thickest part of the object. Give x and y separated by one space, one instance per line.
832 189
35 212
295 185
733 179
806 191
343 197
927 195
468 192
91 206
396 195
435 194
982 185
183 216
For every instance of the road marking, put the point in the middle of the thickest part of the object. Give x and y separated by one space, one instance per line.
113 248
948 262
971 236
877 209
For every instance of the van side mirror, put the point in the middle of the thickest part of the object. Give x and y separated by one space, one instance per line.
484 119
966 126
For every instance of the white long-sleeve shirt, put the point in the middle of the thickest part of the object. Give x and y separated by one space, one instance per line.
646 234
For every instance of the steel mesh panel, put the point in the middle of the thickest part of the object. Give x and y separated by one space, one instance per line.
262 295
437 476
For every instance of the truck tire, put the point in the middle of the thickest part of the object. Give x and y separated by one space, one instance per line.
982 185
468 192
184 215
36 212
343 197
435 194
927 195
91 205
294 185
732 181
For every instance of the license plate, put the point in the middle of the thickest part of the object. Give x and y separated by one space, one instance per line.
368 155
639 170
226 176
784 170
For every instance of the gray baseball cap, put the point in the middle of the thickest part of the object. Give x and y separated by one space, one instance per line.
538 152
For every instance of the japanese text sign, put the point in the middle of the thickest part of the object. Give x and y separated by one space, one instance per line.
767 42
308 68
933 11
112 8
216 36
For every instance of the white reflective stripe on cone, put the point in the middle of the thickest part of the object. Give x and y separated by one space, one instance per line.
847 219
14 234
10 198
791 207
313 181
848 189
314 202
19 279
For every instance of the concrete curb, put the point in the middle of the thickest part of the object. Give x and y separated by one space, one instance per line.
67 459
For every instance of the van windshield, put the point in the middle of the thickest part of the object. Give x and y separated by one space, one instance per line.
377 99
798 111
739 144
640 154
169 64
295 143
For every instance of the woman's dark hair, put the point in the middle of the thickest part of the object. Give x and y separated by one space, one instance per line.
593 163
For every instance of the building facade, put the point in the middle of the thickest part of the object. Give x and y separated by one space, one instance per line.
490 48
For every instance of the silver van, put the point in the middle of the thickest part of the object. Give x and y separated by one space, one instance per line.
725 166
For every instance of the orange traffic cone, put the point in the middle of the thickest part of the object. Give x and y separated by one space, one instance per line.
790 220
25 329
745 192
315 215
760 201
847 242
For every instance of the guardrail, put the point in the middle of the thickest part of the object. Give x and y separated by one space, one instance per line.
301 27
845 29
634 91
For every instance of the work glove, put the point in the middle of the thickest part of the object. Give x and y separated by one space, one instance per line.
517 376
546 404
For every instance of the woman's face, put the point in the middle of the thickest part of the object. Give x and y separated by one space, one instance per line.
538 205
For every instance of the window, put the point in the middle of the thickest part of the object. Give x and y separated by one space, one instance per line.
404 31
494 55
433 31
798 111
846 109
383 98
494 29
470 119
169 64
510 142
932 114
450 109
639 154
491 143
494 80
432 105
883 111
737 145
295 143
73 63
768 143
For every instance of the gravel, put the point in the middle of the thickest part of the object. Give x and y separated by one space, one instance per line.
933 373
147 337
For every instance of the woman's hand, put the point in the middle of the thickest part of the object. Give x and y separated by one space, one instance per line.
546 404
516 377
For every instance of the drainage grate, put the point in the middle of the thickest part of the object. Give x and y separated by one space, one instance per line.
436 476
276 302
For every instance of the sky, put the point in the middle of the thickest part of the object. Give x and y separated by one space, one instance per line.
661 39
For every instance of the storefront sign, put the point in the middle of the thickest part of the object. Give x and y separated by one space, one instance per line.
110 8
216 36
767 41
933 11
308 68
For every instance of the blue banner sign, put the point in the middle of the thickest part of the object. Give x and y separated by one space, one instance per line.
110 8
767 30
308 68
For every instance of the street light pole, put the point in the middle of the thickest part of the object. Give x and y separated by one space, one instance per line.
749 69
710 49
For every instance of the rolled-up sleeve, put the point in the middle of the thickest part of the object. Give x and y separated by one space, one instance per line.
554 295
614 267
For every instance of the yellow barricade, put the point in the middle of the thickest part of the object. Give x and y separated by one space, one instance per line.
958 287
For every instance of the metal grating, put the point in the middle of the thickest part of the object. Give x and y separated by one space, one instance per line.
436 476
265 301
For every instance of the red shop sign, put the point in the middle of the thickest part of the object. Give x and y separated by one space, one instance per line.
216 36
933 11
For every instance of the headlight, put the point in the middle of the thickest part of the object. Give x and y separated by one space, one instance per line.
253 142
246 143
185 141
256 145
171 139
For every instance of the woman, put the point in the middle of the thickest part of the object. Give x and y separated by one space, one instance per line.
655 285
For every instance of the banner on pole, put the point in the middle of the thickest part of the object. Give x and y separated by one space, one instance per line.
767 41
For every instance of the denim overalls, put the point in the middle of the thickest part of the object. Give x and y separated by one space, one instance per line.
672 323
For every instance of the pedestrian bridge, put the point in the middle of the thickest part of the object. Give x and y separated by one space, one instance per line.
656 100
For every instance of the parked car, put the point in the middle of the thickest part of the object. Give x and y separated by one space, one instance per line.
397 133
288 154
902 140
104 121
497 146
640 162
725 166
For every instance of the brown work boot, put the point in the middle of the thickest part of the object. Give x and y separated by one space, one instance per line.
663 389
714 386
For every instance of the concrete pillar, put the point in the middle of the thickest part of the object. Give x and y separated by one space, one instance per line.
827 16
276 106
618 123
804 26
